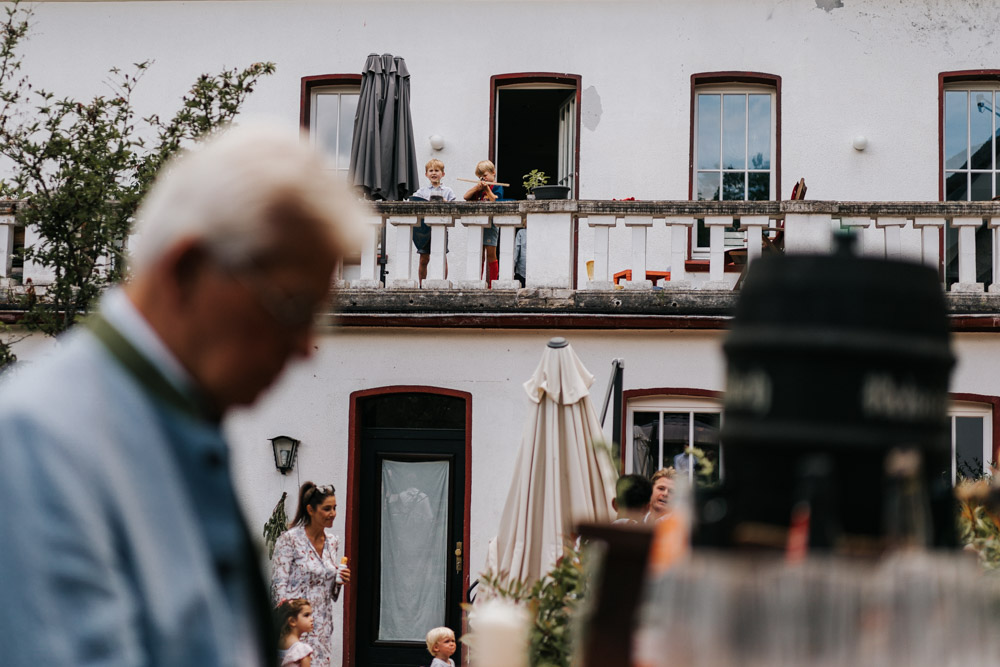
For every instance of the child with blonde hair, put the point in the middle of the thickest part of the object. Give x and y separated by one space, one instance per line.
293 618
487 191
434 171
441 644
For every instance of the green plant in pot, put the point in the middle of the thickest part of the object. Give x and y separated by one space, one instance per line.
532 180
535 183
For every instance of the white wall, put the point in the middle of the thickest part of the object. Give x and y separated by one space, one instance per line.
868 68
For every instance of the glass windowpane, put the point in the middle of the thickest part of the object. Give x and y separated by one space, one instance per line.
708 186
956 114
759 139
414 549
759 186
982 186
645 443
326 113
733 186
969 447
981 129
734 132
707 426
676 436
956 186
348 108
709 130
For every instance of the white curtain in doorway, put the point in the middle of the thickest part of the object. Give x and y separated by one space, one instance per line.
414 547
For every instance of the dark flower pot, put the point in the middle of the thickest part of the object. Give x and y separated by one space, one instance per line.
551 192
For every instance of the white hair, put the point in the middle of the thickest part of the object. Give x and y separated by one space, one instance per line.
227 194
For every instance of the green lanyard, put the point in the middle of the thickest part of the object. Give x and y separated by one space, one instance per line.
148 375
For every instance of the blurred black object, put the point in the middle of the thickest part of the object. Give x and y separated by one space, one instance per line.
834 362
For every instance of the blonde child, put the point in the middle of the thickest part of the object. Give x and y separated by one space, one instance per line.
293 618
486 171
434 171
441 644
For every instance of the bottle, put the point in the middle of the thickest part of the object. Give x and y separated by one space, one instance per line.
338 582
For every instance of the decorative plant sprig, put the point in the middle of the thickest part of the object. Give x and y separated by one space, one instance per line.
533 179
275 526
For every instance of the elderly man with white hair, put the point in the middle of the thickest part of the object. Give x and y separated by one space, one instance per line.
121 540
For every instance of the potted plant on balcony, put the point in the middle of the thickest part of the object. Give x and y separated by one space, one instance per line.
535 184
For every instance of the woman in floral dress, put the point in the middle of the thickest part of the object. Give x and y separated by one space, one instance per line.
306 563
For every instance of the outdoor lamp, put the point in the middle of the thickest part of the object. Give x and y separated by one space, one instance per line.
284 452
437 141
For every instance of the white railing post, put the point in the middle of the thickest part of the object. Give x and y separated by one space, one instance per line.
552 231
717 251
755 225
401 264
930 240
474 225
891 225
508 225
967 254
338 281
994 224
858 225
602 224
6 245
369 269
436 268
680 229
639 225
808 232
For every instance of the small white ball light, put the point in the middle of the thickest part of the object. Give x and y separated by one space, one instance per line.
860 142
437 142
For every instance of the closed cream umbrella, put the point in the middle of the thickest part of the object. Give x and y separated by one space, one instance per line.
560 478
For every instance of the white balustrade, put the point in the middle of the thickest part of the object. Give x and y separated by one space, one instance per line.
891 226
930 240
994 224
401 264
808 232
553 232
369 241
638 224
859 226
680 230
474 225
717 251
602 224
437 267
755 225
966 254
508 225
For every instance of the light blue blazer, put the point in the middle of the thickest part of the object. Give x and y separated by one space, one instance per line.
121 542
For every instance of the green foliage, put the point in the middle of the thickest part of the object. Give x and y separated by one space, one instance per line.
533 179
551 601
275 526
84 166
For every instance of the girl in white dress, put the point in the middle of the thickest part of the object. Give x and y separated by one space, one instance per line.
305 564
294 619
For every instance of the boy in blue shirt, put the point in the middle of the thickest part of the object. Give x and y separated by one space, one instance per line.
434 171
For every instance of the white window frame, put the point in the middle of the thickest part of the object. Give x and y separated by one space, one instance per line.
338 90
670 403
734 238
971 409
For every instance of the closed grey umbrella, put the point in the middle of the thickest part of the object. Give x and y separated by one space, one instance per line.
383 156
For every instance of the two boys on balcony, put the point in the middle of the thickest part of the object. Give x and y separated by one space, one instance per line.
482 191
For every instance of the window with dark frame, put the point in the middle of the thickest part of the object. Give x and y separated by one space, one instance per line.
328 106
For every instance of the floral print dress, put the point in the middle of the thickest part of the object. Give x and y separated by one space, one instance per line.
297 571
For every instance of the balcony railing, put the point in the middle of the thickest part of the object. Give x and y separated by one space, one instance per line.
563 236
637 236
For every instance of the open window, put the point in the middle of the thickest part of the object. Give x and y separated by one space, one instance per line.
659 429
735 144
534 120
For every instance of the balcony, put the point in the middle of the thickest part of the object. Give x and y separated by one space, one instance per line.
645 238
